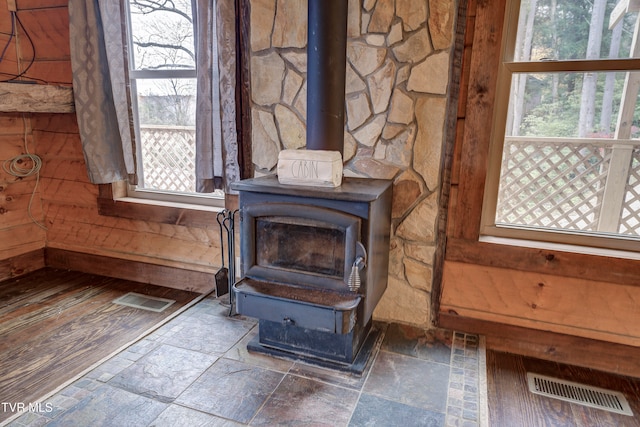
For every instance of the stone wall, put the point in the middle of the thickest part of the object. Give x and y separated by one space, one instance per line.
398 61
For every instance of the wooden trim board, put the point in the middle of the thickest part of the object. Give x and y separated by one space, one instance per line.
21 264
160 275
585 307
600 355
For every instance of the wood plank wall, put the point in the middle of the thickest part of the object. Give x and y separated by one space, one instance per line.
46 22
18 233
66 201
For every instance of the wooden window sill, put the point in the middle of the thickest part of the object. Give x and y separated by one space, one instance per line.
162 212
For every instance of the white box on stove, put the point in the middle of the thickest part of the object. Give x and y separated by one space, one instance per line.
320 168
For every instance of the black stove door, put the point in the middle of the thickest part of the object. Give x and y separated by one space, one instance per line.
299 244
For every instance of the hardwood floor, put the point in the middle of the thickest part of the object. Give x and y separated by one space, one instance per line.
511 404
55 324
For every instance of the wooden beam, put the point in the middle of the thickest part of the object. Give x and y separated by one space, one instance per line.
35 98
545 261
482 86
160 275
585 307
21 264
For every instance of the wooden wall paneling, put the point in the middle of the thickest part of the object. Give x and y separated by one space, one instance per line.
11 123
169 276
21 239
9 65
455 167
600 355
60 146
68 169
453 194
243 94
82 229
11 145
5 24
47 28
466 58
76 225
587 308
76 193
451 130
559 263
61 156
57 125
157 213
487 37
15 202
41 4
21 264
462 111
18 233
52 71
200 235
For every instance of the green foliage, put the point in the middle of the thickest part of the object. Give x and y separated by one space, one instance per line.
554 118
560 32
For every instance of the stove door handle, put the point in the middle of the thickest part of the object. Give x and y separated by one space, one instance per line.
358 264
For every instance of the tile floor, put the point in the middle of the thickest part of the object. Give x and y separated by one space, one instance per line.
195 371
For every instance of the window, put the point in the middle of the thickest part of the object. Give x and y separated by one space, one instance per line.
162 71
565 155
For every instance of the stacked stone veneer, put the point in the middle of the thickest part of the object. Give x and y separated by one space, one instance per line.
398 55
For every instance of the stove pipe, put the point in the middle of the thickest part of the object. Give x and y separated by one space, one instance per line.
326 68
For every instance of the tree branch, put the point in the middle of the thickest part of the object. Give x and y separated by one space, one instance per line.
150 6
165 46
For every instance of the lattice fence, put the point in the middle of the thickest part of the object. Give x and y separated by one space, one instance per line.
552 184
630 217
168 158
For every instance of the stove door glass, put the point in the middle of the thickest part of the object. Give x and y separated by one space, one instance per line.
301 244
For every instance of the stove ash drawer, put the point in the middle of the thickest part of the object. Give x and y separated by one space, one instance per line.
302 307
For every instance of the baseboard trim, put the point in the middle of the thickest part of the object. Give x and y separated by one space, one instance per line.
21 264
568 349
170 277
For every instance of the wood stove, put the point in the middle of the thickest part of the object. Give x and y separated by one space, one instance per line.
314 266
315 259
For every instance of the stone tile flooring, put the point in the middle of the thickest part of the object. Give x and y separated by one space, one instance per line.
195 371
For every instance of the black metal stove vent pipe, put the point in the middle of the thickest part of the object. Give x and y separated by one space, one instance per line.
326 68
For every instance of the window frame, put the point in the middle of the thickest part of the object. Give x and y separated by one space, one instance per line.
584 242
465 175
113 199
166 198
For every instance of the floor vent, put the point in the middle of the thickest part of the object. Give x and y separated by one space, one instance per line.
593 397
144 302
